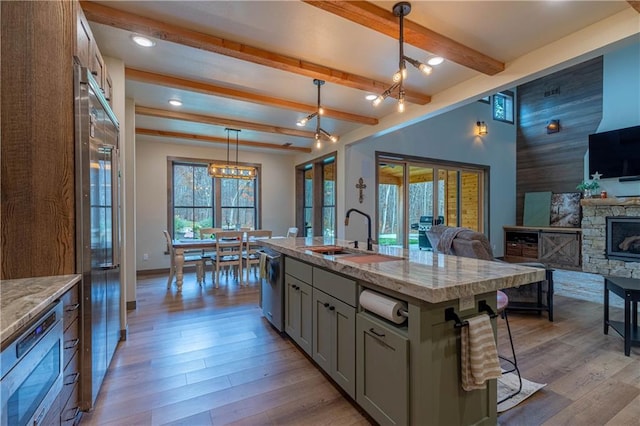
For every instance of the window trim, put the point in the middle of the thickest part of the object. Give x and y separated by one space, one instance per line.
505 94
318 198
216 203
436 164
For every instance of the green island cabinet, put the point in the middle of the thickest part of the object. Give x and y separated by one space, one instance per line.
334 331
406 374
298 303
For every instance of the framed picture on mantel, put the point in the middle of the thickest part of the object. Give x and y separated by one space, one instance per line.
565 210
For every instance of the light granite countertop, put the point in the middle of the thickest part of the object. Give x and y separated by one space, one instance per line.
424 275
23 299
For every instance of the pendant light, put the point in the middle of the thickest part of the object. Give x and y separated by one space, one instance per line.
228 170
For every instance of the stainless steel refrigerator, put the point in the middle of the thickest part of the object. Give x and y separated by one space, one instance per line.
97 231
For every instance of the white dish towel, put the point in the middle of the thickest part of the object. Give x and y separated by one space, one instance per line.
479 356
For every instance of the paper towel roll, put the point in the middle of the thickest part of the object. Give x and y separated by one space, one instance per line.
382 305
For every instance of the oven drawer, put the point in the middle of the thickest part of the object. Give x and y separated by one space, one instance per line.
70 409
70 306
70 343
70 379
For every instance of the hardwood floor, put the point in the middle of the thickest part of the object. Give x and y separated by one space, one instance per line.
208 357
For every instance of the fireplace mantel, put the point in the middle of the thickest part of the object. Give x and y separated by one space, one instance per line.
623 201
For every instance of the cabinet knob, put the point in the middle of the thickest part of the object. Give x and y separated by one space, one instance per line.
326 305
332 308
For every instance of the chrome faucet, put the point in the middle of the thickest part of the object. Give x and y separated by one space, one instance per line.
369 240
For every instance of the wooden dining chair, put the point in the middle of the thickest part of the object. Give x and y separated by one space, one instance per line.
229 246
189 259
250 255
207 254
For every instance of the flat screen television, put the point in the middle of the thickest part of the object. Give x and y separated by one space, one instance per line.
615 154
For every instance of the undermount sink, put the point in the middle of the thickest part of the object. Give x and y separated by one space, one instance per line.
329 250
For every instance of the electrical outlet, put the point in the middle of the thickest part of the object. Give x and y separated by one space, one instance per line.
466 303
145 256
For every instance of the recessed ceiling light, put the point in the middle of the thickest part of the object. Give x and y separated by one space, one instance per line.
436 60
370 97
143 41
175 102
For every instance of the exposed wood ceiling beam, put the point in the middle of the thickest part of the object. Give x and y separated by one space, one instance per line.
211 89
214 139
164 31
635 5
385 22
220 121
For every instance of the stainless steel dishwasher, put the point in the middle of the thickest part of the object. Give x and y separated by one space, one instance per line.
272 289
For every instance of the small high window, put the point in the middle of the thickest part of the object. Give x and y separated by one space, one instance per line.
503 106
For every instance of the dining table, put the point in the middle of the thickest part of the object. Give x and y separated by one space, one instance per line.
182 245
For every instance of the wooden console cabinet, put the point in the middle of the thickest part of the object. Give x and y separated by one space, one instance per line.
555 247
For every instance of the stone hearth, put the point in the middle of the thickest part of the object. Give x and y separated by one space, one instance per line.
594 234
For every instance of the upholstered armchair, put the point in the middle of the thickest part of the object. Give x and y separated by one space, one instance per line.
466 242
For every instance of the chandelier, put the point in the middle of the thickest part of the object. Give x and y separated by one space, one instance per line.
228 170
401 10
320 132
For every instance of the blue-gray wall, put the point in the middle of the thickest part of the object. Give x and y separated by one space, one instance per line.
450 137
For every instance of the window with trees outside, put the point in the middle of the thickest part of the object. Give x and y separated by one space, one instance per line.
200 201
503 106
316 197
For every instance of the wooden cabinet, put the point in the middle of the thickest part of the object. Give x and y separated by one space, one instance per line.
334 325
88 54
560 249
298 312
382 371
65 410
555 247
69 402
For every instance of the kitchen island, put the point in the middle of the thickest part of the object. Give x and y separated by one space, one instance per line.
400 373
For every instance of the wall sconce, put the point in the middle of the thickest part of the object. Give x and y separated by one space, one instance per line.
553 126
481 128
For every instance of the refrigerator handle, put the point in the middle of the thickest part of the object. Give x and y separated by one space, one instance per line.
115 206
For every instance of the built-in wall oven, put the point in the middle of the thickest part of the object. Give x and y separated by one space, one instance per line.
31 366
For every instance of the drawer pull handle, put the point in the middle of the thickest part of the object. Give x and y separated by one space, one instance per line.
74 379
71 308
69 344
76 410
376 333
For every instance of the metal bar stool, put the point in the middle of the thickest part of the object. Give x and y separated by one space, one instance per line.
502 303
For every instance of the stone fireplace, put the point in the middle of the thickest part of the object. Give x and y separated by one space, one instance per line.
609 226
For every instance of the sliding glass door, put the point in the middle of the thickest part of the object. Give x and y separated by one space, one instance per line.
415 194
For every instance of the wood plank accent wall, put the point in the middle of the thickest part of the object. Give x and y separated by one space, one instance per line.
37 150
554 162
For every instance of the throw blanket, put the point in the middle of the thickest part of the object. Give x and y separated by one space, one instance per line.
479 356
446 239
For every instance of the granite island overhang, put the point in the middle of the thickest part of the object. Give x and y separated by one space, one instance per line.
424 275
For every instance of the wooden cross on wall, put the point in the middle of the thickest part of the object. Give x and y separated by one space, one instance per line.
361 186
